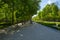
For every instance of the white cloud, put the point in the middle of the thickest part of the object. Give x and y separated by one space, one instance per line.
51 1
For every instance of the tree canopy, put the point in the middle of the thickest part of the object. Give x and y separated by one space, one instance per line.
12 11
49 13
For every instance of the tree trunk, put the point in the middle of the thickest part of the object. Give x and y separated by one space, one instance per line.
31 21
12 12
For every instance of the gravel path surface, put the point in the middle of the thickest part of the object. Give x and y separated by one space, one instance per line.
33 32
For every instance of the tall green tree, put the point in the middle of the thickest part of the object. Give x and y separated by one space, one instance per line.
49 13
22 9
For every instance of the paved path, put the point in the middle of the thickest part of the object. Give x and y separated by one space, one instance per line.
33 32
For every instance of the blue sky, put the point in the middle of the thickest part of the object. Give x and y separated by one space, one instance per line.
44 2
